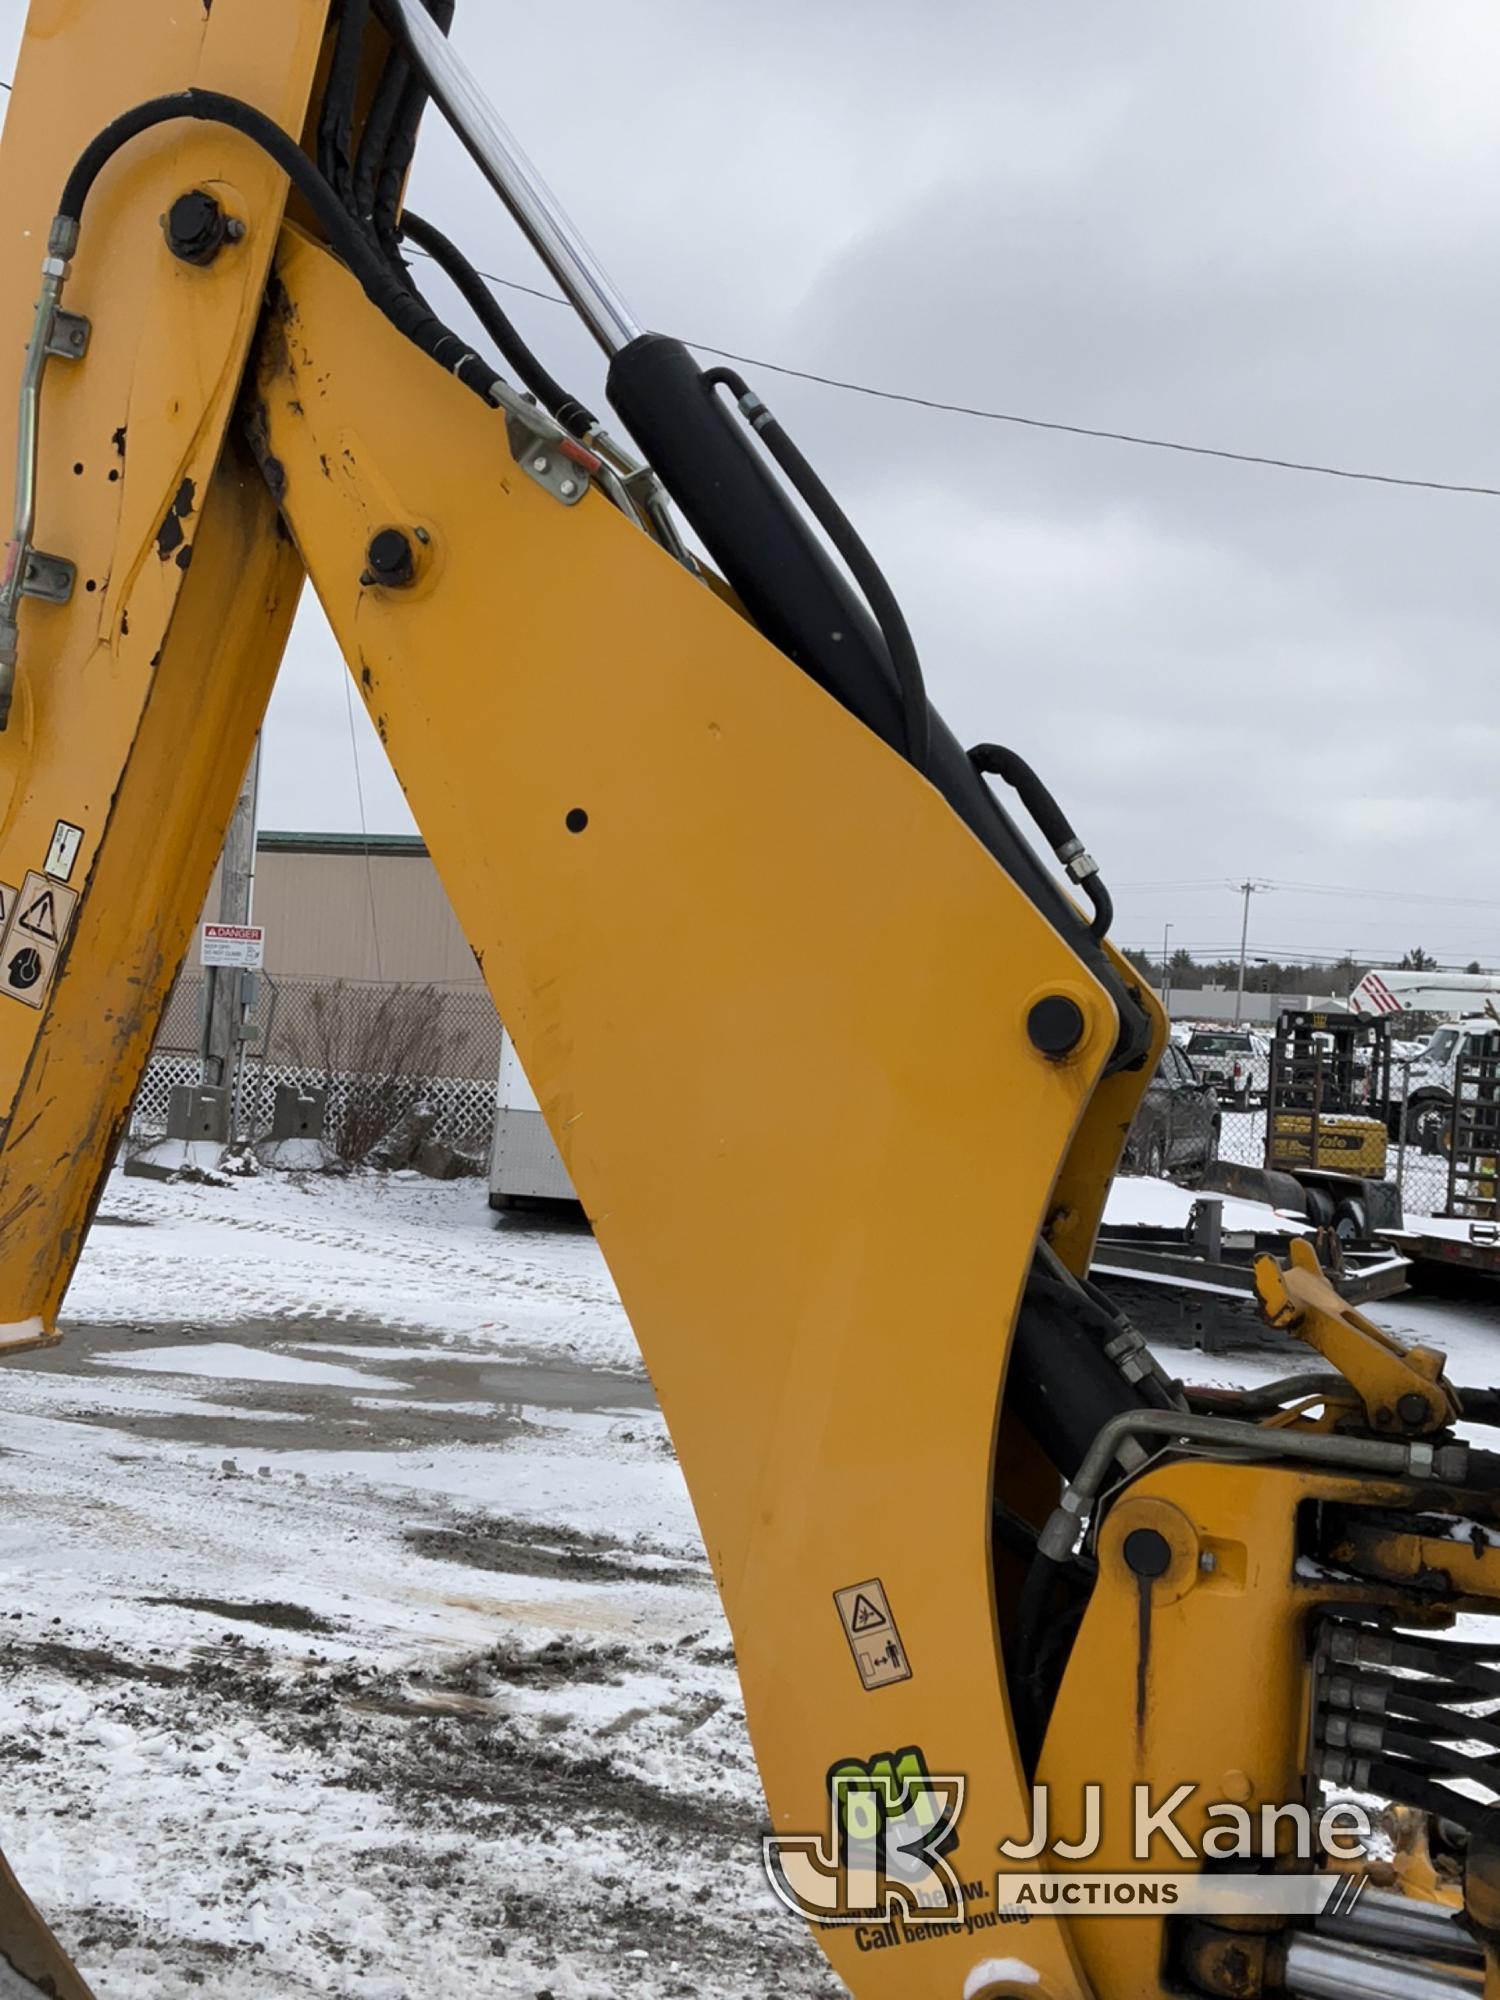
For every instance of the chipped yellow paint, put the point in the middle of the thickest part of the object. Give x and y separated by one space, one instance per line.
138 702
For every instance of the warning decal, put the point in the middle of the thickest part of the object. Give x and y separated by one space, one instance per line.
63 853
7 903
865 1612
37 922
866 1617
40 917
26 969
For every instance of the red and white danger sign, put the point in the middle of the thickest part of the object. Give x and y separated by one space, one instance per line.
239 946
1373 996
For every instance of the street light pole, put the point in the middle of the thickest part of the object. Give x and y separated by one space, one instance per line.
1247 890
1166 972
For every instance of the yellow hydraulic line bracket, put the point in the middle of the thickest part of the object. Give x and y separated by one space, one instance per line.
1402 1387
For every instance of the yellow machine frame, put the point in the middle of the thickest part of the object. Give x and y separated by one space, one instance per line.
626 791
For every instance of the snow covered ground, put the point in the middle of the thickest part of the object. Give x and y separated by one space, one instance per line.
355 1633
357 1637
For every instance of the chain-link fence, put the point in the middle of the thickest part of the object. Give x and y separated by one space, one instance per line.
375 1050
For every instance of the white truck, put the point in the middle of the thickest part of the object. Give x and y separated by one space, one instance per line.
1236 1061
1423 1089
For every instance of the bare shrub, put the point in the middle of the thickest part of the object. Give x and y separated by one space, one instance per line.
377 1049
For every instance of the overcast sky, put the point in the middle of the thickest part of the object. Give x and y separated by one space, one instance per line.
1272 227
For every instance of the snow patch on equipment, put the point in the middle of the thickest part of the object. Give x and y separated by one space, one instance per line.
1015 1970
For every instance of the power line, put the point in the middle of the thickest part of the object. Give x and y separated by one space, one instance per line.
1344 892
1138 438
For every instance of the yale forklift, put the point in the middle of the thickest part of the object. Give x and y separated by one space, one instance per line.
1327 1113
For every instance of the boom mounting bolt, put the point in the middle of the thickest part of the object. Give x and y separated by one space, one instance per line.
1055 1025
197 228
390 560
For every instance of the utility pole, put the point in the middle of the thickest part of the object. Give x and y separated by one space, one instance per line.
1247 890
1166 971
224 1009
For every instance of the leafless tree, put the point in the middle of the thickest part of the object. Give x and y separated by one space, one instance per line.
378 1050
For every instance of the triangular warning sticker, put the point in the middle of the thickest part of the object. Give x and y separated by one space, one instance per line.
866 1617
41 918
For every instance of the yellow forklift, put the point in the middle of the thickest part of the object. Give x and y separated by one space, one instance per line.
1327 1117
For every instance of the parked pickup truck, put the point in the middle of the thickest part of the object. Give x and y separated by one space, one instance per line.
1235 1061
1423 1092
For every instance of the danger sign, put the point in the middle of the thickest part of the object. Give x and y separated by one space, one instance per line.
241 946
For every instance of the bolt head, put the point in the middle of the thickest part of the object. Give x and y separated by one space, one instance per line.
568 488
1056 1025
1147 1552
390 559
1412 1408
196 228
540 464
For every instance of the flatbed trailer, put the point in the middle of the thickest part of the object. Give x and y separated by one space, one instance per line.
1448 1243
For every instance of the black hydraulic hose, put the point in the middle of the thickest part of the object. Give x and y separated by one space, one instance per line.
1399 1700
1028 1697
402 146
1408 1787
862 566
1457 1668
1074 1304
380 128
384 288
336 125
994 760
528 370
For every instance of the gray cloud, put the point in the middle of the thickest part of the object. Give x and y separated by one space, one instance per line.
1269 228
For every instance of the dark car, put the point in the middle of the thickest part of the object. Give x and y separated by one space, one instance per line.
1176 1130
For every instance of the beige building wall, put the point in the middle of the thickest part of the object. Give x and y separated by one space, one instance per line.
331 910
337 911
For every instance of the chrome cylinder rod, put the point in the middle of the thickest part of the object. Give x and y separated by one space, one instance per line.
1386 1920
1328 1969
513 177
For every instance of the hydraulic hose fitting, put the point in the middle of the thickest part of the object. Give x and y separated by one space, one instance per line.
994 760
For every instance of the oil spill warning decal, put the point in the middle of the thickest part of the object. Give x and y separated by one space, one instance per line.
865 1612
38 923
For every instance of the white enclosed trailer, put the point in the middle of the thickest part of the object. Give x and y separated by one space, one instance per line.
524 1161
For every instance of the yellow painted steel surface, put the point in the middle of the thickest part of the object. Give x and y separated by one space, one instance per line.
1196 1677
772 997
771 992
138 702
